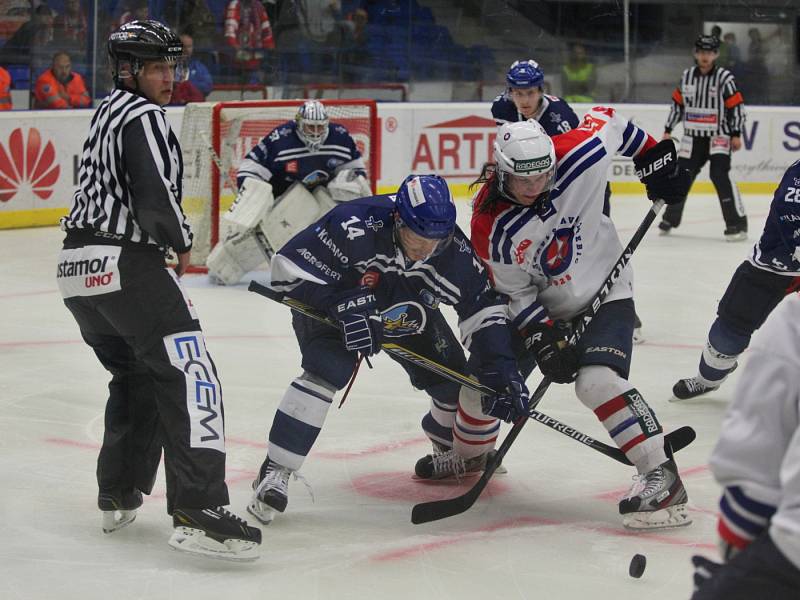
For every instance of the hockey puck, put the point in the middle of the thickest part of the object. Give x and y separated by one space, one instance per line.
636 568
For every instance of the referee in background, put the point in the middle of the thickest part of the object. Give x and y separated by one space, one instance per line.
132 311
712 111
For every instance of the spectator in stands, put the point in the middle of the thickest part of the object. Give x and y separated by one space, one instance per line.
248 35
579 76
32 43
756 83
195 18
5 90
70 27
198 74
60 86
355 55
133 10
733 54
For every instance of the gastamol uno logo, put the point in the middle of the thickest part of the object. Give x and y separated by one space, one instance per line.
455 148
73 268
534 164
27 167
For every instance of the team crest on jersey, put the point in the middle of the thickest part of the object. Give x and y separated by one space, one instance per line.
373 224
562 249
405 318
463 245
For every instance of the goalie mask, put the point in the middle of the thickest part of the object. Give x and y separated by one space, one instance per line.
525 162
525 74
426 216
138 42
312 124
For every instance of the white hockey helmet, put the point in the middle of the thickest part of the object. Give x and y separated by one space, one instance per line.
525 161
312 124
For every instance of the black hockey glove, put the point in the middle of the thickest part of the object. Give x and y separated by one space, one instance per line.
556 357
512 398
361 322
704 570
659 171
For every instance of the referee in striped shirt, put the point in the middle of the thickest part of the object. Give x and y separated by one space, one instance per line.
712 111
132 311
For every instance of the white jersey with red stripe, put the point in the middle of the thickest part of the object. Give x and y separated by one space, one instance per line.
551 260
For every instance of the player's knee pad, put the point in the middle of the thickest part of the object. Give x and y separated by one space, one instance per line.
474 433
241 252
295 210
722 339
299 419
596 384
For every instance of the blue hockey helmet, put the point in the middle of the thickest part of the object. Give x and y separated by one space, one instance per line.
525 74
426 207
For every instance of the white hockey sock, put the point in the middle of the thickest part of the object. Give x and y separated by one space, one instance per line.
298 421
624 413
474 433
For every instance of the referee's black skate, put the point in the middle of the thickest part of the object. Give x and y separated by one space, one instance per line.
657 500
216 533
119 508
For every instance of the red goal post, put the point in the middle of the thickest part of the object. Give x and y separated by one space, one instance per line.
215 137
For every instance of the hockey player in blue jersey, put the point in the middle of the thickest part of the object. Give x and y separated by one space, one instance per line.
770 272
296 173
381 268
525 99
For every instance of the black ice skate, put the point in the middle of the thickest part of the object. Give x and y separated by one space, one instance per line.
271 491
119 508
445 463
664 227
638 337
216 533
657 500
691 387
736 232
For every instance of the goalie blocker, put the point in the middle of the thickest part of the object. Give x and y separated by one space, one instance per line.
259 224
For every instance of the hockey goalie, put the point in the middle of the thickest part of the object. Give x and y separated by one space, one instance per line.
296 173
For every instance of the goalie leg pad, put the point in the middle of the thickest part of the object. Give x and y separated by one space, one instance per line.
295 210
252 204
323 198
242 252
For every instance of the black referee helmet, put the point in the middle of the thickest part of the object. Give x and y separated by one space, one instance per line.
138 42
707 42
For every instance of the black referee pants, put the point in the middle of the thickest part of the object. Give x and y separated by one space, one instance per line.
719 171
164 390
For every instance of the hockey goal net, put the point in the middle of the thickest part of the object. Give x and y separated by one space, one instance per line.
215 137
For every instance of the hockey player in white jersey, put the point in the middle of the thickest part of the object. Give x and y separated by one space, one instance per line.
538 223
756 462
295 174
770 272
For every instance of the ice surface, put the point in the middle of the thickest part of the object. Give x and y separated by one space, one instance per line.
547 529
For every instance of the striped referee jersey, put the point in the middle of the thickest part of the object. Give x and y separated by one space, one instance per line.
708 104
130 176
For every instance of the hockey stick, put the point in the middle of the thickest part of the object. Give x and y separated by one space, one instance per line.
681 438
441 509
